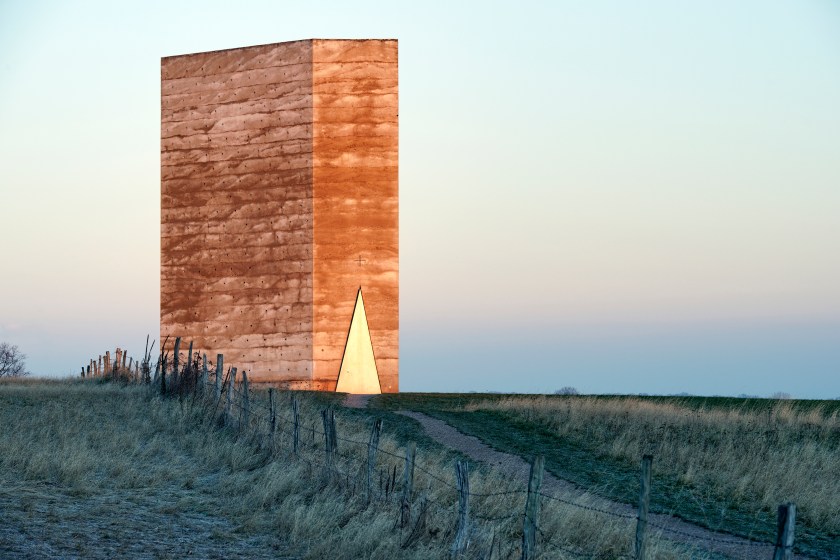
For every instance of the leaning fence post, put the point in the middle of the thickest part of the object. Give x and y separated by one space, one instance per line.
295 425
246 401
373 446
462 480
784 535
328 417
220 360
229 400
532 509
408 484
644 505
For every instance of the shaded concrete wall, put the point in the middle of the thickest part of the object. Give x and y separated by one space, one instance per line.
236 206
356 205
279 199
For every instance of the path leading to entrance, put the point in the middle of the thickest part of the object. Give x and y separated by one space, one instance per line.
357 401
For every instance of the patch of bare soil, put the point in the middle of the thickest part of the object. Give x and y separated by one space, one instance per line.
357 401
518 469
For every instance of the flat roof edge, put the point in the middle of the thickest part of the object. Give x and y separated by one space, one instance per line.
270 45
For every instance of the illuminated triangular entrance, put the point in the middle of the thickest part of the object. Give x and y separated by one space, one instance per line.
358 366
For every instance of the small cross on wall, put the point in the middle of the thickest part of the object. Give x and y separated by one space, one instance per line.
360 260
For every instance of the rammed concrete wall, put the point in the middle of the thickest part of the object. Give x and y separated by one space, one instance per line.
279 199
355 203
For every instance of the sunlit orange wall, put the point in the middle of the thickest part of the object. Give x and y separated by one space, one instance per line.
355 203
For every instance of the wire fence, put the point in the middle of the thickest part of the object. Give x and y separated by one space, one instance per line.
508 517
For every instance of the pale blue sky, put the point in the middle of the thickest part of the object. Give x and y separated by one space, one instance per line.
619 196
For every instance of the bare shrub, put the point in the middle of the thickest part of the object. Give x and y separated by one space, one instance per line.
12 361
566 391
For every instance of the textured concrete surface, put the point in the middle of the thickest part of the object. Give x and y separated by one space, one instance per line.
279 200
356 210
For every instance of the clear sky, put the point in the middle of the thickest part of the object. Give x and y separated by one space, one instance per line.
617 196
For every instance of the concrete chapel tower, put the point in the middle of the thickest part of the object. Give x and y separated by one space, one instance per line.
280 213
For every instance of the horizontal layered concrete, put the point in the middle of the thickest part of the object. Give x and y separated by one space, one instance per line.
279 201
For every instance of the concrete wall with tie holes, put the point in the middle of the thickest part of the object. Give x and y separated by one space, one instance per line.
279 200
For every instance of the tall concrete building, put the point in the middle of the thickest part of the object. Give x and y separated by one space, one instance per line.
280 213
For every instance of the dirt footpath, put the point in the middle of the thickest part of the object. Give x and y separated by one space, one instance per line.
514 466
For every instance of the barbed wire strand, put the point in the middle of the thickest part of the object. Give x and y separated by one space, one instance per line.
256 417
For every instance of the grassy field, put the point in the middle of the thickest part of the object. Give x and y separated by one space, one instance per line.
103 470
723 463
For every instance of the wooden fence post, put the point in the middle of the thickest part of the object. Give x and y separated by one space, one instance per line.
784 535
532 509
107 362
246 401
203 382
229 400
117 359
272 417
124 358
189 371
175 359
295 425
462 480
408 484
163 376
328 416
146 357
373 447
644 505
220 360
147 361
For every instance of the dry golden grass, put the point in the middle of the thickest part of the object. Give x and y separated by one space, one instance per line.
760 458
125 473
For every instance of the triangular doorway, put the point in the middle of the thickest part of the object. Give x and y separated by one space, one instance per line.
358 366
